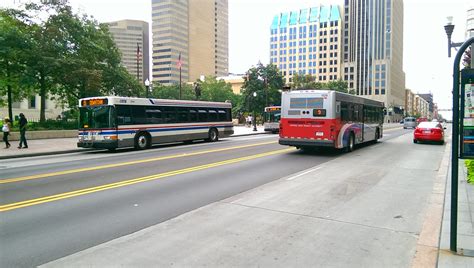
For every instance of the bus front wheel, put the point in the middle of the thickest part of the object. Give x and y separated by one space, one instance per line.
213 135
142 141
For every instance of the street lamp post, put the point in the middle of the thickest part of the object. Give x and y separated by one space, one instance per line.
147 86
449 27
254 113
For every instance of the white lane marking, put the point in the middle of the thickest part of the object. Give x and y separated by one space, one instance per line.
301 174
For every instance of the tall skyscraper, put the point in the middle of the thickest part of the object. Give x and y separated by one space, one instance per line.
132 39
373 52
307 41
193 33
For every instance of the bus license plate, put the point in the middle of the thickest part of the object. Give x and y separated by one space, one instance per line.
319 133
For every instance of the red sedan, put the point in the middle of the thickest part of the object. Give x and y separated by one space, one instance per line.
429 131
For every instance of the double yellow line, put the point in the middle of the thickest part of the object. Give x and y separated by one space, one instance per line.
66 172
56 197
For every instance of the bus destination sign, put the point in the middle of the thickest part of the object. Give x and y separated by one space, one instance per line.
94 102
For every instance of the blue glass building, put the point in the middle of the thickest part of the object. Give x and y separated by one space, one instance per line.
308 41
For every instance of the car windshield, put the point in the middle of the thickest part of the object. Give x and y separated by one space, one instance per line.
428 125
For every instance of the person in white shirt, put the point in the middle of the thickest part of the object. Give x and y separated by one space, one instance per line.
6 131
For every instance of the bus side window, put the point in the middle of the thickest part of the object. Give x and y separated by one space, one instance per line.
213 115
169 115
153 115
222 115
346 112
193 116
182 113
202 115
123 115
138 114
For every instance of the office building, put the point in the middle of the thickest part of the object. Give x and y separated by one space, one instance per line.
132 39
470 22
373 52
307 41
191 34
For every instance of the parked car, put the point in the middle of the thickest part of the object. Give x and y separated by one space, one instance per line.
421 119
429 131
409 122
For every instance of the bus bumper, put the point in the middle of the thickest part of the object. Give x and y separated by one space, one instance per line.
98 145
306 142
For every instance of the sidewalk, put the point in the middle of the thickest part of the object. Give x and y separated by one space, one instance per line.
69 145
369 213
465 227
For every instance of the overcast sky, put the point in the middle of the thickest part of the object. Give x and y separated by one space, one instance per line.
426 65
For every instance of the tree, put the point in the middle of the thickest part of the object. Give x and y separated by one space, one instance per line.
266 82
305 82
215 90
14 40
339 85
172 91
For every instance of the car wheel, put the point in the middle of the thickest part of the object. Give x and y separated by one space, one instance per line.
441 142
213 135
415 141
142 141
350 145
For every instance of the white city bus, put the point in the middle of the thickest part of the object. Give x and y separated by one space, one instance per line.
272 119
326 118
115 122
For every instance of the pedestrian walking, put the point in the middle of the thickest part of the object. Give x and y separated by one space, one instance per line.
6 131
249 120
23 123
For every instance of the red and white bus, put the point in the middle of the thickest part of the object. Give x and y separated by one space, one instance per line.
326 118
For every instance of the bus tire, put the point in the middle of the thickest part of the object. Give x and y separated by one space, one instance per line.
351 143
142 141
377 135
213 135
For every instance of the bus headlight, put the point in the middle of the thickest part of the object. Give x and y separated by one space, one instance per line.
111 138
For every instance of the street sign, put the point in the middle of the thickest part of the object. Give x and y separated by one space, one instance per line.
467 113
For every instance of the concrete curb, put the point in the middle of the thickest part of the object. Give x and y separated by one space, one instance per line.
427 249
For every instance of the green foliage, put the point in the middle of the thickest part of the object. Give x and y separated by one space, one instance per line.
266 82
309 82
216 90
305 82
470 170
49 50
172 92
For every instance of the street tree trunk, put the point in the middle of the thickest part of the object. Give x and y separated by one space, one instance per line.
43 98
9 95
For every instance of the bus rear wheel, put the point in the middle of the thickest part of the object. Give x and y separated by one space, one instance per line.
213 135
351 143
142 141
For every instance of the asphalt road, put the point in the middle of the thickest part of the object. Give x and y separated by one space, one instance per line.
51 207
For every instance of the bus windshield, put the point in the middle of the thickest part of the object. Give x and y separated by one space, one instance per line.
96 117
272 117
